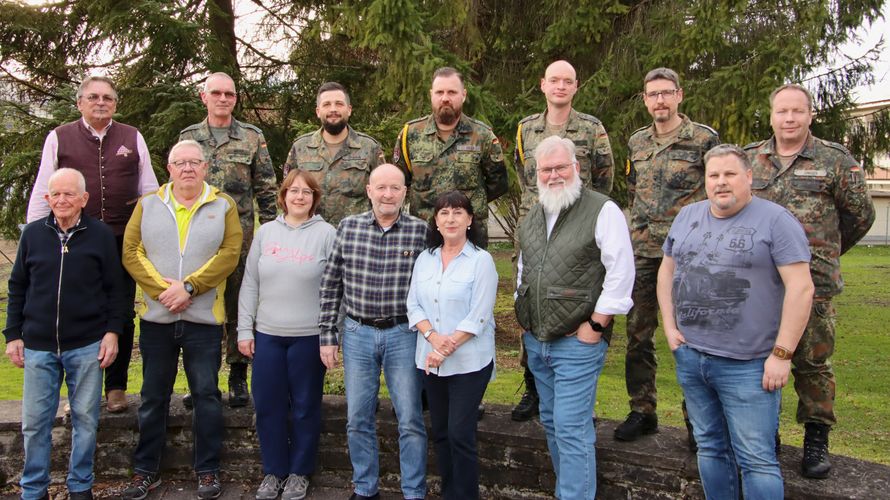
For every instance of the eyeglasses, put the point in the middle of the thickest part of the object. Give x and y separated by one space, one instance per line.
219 93
99 98
655 94
559 169
307 193
181 164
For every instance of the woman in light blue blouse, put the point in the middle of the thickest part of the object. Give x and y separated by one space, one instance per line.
451 303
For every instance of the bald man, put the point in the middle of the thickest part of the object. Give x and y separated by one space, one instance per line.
369 272
239 165
592 150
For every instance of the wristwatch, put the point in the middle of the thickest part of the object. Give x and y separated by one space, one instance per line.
426 334
596 326
782 353
189 288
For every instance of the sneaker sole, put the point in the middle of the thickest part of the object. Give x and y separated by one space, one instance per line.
209 497
151 487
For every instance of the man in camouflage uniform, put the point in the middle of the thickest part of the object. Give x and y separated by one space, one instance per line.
594 155
665 172
448 150
339 158
240 166
824 187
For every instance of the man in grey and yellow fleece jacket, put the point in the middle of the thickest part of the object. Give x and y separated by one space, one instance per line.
180 246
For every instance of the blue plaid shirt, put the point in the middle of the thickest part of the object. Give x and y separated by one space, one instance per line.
370 270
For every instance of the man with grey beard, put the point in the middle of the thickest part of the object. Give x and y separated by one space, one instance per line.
576 272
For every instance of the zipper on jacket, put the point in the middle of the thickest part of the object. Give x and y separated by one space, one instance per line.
62 253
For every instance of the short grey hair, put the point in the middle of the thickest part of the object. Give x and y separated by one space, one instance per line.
552 144
662 74
792 86
218 74
184 144
90 79
81 182
721 150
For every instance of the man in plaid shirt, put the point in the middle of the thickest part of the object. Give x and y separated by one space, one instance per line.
369 272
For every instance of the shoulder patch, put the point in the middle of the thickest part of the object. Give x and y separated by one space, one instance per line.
368 137
754 145
477 122
251 127
191 127
530 118
706 127
589 118
834 145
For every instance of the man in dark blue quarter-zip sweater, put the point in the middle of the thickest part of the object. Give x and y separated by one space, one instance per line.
64 316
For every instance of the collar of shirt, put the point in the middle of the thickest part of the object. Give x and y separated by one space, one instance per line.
96 133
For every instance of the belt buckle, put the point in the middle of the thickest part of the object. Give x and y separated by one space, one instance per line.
379 323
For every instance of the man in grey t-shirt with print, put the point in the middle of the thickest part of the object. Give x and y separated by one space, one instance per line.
735 291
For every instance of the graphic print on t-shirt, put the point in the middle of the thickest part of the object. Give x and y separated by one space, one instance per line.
712 294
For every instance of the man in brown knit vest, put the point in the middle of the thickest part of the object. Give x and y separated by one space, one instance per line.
115 162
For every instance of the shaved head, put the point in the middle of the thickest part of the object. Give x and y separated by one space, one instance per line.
560 68
386 170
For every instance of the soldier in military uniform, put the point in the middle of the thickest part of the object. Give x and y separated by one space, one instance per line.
592 150
240 166
824 187
448 150
665 172
339 158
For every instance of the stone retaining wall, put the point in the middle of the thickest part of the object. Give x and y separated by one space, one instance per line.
514 459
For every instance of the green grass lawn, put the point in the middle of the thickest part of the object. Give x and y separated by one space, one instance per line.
861 361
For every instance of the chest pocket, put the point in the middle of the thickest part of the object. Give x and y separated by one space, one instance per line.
686 169
310 166
810 183
640 162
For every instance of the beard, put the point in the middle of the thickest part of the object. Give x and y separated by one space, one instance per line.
334 128
556 199
447 115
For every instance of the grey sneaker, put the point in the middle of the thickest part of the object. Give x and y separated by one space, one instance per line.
269 488
295 487
140 485
208 486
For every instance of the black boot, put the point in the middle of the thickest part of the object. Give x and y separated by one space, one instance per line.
815 464
238 395
690 437
528 405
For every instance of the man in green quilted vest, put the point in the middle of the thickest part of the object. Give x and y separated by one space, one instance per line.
576 272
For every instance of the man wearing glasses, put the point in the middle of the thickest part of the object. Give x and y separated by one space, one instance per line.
182 286
116 165
240 166
592 150
665 172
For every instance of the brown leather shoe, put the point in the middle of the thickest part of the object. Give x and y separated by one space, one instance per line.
117 401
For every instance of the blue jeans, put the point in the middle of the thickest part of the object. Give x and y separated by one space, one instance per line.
44 371
566 372
454 415
160 345
735 421
365 351
288 381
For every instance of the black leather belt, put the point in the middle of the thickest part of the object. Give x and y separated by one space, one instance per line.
382 323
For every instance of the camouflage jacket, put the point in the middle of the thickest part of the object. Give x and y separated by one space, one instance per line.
824 187
470 160
663 179
592 149
241 168
344 177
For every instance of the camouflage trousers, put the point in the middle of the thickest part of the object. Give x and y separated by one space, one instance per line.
640 362
233 287
811 366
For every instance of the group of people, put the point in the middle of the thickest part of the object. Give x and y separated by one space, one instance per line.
744 285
